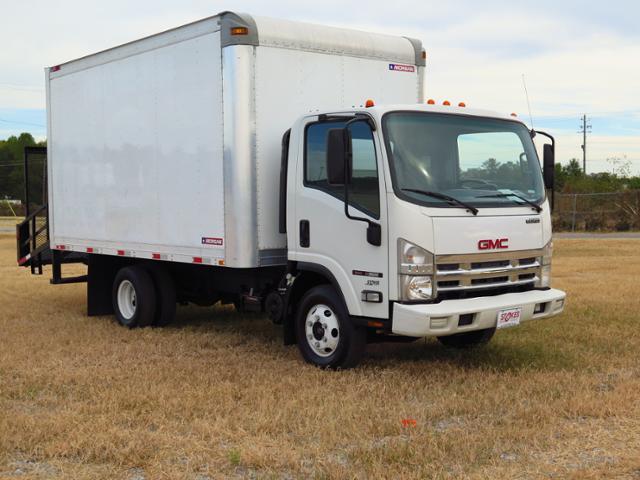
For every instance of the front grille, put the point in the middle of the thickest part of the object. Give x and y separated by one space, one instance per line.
490 264
460 276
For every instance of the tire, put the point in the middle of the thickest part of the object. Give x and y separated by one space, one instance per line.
237 304
134 297
325 334
468 339
165 295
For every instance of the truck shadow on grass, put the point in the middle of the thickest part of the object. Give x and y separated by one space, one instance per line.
504 353
497 356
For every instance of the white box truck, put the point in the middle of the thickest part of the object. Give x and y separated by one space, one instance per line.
294 169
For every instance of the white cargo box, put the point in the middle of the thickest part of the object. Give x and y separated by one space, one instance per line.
169 147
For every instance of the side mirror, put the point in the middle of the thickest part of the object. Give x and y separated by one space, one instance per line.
338 156
374 234
549 164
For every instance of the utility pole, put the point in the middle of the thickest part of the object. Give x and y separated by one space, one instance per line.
584 128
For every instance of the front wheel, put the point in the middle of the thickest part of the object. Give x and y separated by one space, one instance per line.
468 339
325 334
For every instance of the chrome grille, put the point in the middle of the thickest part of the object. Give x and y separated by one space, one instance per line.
487 270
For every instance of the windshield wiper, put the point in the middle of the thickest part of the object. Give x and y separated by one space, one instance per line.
446 198
535 206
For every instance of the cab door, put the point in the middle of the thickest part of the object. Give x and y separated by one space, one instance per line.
324 237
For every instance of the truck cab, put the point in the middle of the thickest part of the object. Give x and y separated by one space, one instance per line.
424 220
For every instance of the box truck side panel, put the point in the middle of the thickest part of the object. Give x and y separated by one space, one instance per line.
136 150
312 81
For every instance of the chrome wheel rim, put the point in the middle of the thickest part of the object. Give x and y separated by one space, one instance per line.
127 299
322 330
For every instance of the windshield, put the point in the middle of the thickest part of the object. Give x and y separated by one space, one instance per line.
480 161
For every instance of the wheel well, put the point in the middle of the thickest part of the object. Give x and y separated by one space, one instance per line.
305 281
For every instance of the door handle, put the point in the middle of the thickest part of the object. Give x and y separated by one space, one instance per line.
305 234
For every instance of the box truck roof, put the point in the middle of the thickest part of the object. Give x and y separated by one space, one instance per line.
245 29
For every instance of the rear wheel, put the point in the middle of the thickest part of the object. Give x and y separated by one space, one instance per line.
134 297
325 334
165 295
468 339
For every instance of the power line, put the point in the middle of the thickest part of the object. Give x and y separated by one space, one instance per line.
27 88
22 123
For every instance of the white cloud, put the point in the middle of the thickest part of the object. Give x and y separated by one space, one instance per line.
576 60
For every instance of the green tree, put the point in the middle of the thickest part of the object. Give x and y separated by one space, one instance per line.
573 169
12 166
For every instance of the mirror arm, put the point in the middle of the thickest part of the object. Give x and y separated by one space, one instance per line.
549 136
363 117
373 229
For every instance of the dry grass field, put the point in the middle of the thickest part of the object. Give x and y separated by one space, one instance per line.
9 222
219 396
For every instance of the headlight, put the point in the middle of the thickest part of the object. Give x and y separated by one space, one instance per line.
415 266
416 287
545 261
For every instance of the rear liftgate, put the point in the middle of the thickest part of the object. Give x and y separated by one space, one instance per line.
32 234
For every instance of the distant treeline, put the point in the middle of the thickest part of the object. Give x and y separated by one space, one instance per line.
12 165
570 178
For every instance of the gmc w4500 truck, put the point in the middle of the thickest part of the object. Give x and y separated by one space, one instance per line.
237 160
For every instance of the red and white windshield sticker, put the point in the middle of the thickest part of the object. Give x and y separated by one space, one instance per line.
212 241
397 67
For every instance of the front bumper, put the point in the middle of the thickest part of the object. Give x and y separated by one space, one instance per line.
440 319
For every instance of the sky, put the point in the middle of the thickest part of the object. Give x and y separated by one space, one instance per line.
577 57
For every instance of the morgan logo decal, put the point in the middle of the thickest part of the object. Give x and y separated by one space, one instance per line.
499 243
215 242
396 67
362 273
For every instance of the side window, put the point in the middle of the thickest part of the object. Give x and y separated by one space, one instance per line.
364 191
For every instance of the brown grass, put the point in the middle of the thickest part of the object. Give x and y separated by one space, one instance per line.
219 396
9 222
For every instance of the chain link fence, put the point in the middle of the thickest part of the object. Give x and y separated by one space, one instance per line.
615 211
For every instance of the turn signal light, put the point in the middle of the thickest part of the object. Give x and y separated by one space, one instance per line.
239 31
369 103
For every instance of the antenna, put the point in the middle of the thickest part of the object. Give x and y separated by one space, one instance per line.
524 83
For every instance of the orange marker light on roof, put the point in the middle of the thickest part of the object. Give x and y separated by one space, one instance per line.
369 103
514 114
239 31
446 103
462 104
431 101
